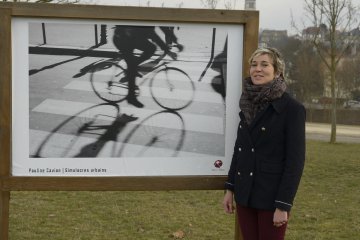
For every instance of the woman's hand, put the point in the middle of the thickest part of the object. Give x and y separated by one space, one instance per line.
280 217
228 202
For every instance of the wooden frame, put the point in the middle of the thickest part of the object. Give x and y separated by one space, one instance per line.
249 19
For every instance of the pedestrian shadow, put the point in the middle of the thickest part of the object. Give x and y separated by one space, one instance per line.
219 82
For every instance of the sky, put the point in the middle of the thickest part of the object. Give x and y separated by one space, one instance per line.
274 14
277 14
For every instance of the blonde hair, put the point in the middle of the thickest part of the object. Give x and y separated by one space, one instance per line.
275 55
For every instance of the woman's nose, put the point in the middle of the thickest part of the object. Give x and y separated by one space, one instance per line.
258 68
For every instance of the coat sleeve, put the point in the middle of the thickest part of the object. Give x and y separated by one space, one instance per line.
294 156
229 184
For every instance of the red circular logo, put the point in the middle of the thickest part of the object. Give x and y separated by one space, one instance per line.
218 163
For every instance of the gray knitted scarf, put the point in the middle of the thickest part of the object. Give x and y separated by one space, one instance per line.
254 98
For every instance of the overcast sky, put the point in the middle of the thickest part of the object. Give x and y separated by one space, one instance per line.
274 14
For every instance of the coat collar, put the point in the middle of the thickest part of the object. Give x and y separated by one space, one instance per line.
280 103
279 106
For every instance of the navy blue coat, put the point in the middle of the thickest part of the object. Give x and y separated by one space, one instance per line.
269 156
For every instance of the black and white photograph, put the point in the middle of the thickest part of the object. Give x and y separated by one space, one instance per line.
126 91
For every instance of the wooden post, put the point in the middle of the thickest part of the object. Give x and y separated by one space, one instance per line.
5 117
4 215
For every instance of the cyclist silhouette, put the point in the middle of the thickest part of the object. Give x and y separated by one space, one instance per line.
143 38
170 38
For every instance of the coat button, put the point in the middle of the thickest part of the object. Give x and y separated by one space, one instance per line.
238 173
240 149
263 129
251 174
253 150
240 126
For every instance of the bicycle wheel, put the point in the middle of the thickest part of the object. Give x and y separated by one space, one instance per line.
172 88
79 135
106 82
150 138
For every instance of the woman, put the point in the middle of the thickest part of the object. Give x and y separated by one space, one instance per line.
269 151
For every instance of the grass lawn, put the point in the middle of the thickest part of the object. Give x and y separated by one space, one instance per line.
326 207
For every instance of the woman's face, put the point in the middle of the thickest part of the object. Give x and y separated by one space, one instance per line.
261 69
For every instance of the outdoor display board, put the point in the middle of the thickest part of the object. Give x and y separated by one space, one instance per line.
69 114
75 115
67 120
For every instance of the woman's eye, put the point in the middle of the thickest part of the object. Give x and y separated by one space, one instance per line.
262 65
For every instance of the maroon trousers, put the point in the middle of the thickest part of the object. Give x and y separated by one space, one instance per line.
258 224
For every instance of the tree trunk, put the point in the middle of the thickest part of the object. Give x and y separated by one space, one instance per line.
333 105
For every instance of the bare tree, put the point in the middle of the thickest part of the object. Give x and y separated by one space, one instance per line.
209 3
180 5
348 76
331 19
307 74
230 4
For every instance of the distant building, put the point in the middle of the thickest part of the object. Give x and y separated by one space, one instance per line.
354 37
250 5
267 37
321 34
355 32
311 33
